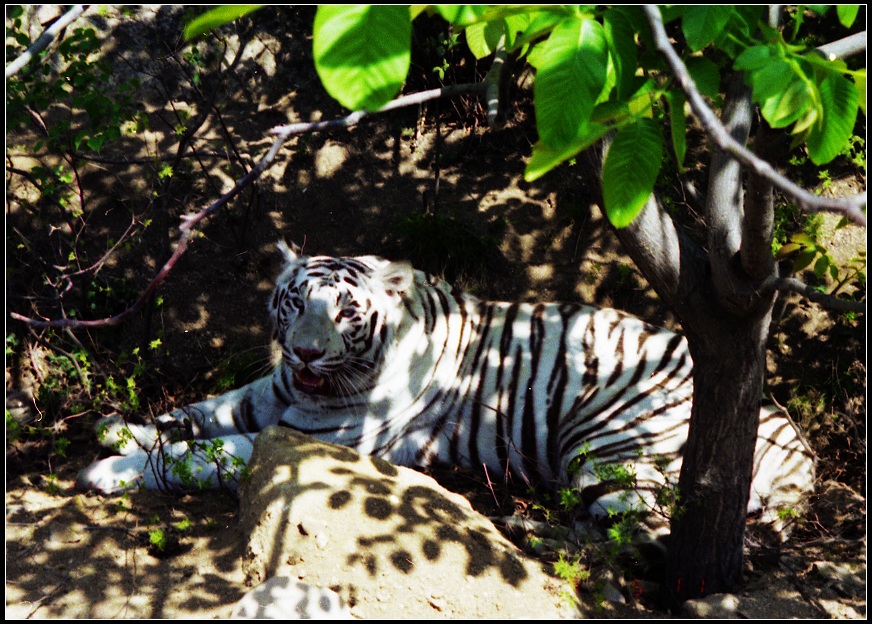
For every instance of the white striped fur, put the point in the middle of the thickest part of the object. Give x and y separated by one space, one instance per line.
396 364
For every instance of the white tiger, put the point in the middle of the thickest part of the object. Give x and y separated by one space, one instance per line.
400 365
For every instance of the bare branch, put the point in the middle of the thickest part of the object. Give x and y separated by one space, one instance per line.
844 48
413 99
851 207
45 39
189 222
791 284
492 82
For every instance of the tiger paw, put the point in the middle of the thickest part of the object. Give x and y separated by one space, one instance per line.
114 474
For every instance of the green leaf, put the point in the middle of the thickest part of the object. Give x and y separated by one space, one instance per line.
623 57
847 14
785 107
544 158
705 74
571 73
516 26
703 24
786 250
483 37
678 125
542 23
630 170
770 80
459 14
217 17
827 138
803 259
362 53
821 266
820 9
860 88
753 58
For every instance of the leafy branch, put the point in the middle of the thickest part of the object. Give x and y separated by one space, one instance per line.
852 207
556 41
45 39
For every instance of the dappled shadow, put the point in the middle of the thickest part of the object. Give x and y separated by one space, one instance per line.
71 555
340 193
354 523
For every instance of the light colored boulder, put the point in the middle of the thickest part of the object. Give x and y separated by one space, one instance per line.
389 540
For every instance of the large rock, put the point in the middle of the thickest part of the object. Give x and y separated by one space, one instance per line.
390 541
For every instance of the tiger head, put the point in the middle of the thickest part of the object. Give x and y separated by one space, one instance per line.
334 318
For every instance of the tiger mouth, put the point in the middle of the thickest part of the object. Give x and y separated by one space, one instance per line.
310 382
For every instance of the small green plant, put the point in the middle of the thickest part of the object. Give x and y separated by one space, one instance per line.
623 531
534 542
158 539
181 469
122 503
855 152
570 498
807 252
593 275
13 429
626 274
51 485
60 446
78 82
570 569
668 497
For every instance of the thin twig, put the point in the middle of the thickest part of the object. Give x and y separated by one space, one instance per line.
189 222
791 284
45 39
851 207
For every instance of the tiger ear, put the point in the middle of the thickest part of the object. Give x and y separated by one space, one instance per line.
290 253
397 277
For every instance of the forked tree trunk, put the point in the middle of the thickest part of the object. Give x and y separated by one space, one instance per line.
715 293
705 550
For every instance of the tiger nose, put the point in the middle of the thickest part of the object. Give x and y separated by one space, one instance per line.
307 355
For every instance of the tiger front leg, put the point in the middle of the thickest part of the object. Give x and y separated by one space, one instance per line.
186 465
207 419
126 438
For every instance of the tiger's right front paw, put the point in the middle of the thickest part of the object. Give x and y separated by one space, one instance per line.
114 474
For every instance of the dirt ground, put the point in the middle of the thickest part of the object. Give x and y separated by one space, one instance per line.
368 189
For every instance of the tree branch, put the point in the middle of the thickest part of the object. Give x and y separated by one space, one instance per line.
759 215
757 226
791 284
189 222
851 207
671 261
844 48
492 84
724 205
45 39
413 99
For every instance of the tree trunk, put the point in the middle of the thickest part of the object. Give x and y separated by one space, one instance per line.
705 550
